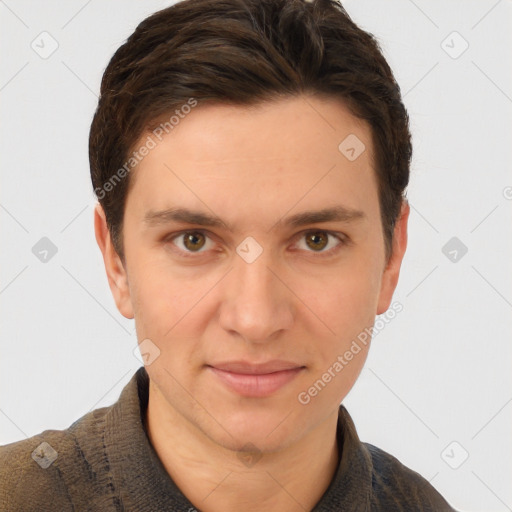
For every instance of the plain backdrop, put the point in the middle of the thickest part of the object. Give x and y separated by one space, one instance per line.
436 390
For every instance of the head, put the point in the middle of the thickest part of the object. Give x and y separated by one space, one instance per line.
251 113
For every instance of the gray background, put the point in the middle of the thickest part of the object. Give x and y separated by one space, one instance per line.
437 384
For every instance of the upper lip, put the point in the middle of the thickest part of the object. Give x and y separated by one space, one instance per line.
248 368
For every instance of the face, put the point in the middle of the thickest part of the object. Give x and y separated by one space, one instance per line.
250 299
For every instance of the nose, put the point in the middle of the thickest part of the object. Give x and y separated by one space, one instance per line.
256 304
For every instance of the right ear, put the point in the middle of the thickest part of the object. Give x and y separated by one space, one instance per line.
114 267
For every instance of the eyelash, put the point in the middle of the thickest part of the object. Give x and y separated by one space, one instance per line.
339 236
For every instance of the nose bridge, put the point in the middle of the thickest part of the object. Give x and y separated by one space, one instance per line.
256 305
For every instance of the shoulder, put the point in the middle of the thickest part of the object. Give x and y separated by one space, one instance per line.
30 479
398 488
43 472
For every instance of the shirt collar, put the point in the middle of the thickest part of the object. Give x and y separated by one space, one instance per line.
144 484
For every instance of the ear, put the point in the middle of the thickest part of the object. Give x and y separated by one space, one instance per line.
392 270
114 267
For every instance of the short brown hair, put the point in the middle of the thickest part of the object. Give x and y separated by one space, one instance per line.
243 52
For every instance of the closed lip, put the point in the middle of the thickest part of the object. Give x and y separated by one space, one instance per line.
256 380
251 368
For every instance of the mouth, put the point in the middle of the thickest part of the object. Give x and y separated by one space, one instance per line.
256 380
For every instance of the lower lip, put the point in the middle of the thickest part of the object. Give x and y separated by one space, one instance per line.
256 385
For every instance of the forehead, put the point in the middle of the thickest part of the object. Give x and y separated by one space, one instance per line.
274 126
279 154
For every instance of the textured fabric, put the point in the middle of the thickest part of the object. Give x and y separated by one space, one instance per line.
105 462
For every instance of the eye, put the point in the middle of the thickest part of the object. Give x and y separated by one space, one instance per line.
191 241
317 241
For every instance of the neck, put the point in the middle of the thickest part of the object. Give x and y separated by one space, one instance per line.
214 479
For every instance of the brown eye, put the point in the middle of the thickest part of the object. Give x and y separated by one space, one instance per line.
317 240
321 243
190 244
193 241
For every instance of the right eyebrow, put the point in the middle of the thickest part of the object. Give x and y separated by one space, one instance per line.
155 218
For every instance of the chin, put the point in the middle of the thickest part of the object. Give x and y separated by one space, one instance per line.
267 429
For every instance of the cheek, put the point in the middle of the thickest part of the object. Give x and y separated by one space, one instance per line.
347 306
161 306
346 303
163 314
341 341
169 303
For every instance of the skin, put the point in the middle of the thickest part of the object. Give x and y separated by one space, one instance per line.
302 303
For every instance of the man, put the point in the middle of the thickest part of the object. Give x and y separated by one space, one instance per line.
250 158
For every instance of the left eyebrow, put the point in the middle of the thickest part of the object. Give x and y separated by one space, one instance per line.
333 214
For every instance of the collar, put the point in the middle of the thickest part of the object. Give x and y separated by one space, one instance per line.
144 484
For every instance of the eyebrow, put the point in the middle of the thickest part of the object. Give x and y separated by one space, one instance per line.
185 215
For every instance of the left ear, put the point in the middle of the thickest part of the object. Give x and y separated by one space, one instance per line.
392 270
